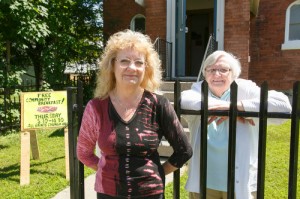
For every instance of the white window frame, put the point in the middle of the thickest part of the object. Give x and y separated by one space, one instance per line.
289 44
132 22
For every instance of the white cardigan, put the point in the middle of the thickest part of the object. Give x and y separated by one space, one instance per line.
246 137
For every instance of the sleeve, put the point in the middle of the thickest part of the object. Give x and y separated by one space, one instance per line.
87 138
277 101
191 99
174 133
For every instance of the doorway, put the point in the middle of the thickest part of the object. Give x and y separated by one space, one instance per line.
200 26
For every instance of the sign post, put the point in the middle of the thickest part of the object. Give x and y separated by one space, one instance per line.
40 110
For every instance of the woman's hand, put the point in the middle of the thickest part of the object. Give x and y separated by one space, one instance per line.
220 119
226 106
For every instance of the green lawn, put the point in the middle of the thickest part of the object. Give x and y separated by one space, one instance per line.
47 175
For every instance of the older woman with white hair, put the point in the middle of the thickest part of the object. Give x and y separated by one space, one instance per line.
220 70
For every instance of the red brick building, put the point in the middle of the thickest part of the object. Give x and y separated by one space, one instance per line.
264 34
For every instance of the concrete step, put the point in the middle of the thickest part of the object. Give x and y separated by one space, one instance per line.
183 122
169 95
169 86
167 90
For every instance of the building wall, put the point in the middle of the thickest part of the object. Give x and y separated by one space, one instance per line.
236 33
118 14
251 38
280 68
156 14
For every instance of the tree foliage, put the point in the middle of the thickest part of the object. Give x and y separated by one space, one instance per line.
49 34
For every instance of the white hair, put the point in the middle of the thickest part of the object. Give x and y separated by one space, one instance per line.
231 60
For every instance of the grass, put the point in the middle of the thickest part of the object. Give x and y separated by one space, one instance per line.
277 162
47 175
277 165
183 193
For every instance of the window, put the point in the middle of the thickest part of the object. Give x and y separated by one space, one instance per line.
138 23
292 27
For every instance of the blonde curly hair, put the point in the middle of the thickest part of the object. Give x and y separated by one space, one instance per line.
128 39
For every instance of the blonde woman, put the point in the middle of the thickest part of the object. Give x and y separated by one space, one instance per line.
127 120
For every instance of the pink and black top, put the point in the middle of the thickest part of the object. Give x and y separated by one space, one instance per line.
129 164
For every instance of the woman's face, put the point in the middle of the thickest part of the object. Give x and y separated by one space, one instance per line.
219 76
129 67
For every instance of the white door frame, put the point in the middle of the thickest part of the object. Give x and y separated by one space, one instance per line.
171 24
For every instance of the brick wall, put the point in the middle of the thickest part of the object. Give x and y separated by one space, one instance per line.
236 33
280 68
259 37
156 19
118 15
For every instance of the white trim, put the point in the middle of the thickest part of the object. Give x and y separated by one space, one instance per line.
140 2
132 22
220 23
170 25
289 44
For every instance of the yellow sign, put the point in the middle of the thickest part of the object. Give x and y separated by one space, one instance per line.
40 110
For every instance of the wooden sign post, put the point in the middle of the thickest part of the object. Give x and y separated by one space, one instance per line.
41 110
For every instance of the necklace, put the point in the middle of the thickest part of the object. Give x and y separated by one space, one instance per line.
118 101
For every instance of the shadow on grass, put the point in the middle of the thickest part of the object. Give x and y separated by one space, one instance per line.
5 132
57 133
12 172
3 146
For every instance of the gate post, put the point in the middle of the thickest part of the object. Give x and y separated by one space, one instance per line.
292 194
75 111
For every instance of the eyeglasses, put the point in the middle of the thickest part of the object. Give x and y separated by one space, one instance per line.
222 71
125 63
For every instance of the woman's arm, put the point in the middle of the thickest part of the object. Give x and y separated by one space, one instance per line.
87 139
191 99
168 168
174 133
249 94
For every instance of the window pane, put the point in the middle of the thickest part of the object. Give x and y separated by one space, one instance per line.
139 24
294 32
295 14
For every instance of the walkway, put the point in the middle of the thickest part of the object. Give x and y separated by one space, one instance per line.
89 186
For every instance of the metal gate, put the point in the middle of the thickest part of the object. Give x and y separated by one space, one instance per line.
75 111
